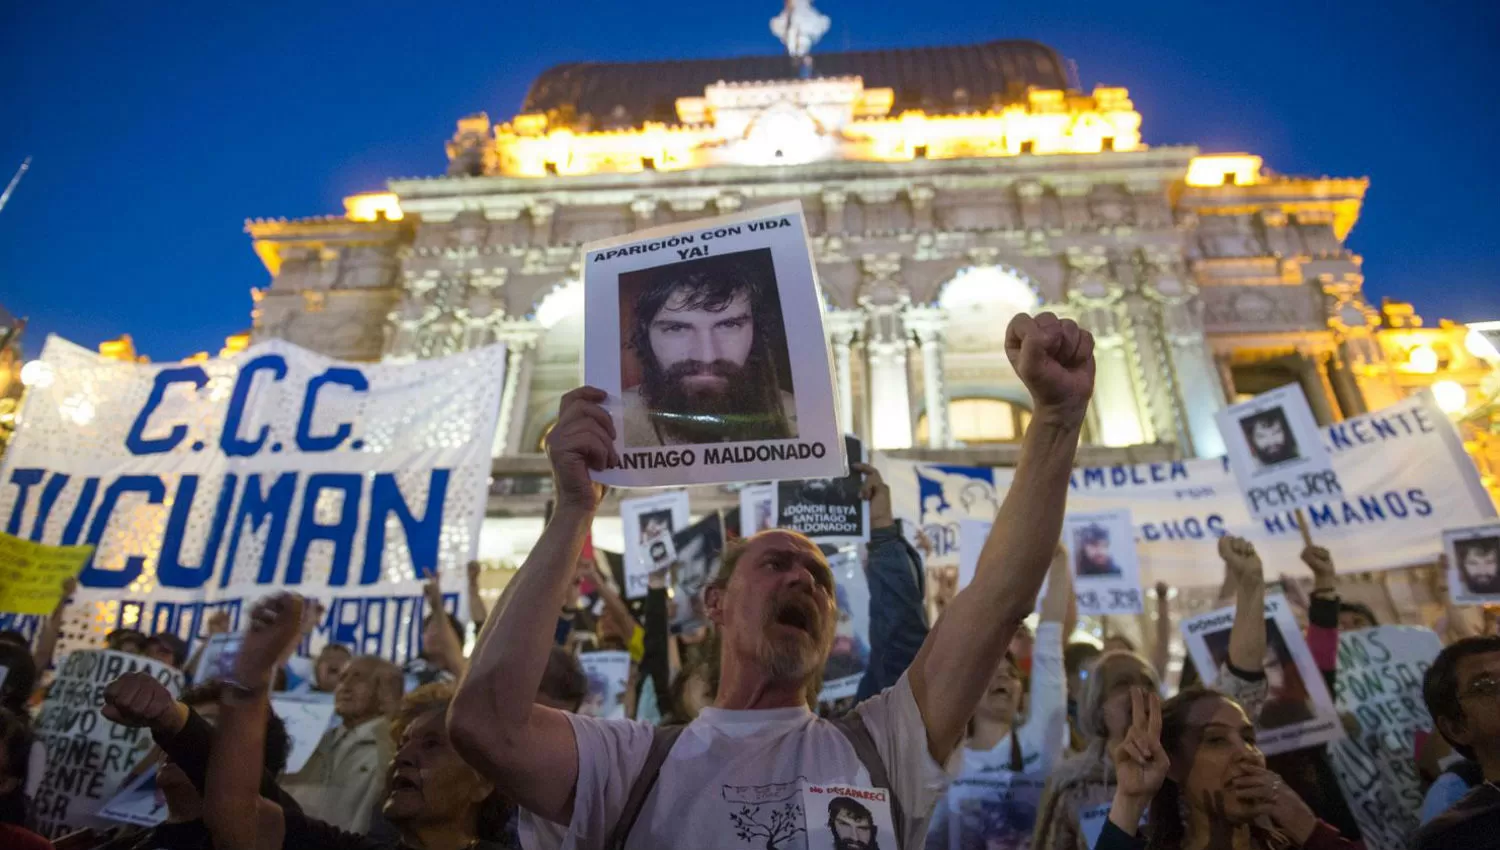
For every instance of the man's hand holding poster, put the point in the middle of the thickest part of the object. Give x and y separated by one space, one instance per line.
1473 564
649 525
1276 451
1106 569
708 338
1298 711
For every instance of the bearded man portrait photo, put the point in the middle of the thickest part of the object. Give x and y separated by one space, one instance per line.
705 357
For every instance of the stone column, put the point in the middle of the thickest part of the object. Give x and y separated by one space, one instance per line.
834 201
844 327
644 211
1029 195
1123 414
1315 385
520 337
889 391
541 211
926 324
921 206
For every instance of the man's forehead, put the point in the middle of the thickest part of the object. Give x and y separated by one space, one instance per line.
1474 666
684 295
782 540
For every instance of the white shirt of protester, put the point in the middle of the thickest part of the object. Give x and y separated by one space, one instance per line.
734 778
990 805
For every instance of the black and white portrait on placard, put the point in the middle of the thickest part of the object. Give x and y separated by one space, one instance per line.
1473 564
1270 437
705 357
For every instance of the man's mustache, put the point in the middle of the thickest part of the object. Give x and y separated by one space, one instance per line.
694 368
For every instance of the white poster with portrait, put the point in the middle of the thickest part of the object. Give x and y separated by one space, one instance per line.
850 655
707 337
757 509
1298 712
844 816
1473 564
1103 560
1276 451
608 675
649 524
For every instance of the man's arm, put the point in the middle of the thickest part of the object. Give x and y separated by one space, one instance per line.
528 750
236 816
1161 651
898 613
46 644
1247 637
477 612
1055 359
438 637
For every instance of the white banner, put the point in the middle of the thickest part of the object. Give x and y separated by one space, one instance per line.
1298 711
1403 469
88 756
207 485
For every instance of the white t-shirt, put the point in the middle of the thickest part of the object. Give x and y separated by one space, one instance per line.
990 803
739 773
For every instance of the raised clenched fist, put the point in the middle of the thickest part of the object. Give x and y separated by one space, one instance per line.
137 699
1055 359
582 440
275 629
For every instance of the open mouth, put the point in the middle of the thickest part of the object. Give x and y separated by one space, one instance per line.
796 616
403 783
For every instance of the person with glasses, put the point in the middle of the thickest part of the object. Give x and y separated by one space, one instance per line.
1462 690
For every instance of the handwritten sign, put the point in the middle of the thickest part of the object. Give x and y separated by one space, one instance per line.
32 574
88 756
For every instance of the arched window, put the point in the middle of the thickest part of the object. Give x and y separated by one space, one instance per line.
981 421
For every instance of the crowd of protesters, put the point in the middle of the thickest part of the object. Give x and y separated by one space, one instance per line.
982 732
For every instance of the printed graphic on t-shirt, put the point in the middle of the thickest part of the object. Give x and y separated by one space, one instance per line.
766 816
997 810
846 817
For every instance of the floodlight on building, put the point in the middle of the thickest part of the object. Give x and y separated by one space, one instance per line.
1480 346
1422 359
38 374
1451 396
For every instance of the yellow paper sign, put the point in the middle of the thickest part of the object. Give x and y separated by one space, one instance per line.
32 574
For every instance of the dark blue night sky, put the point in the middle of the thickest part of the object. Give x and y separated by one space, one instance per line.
157 128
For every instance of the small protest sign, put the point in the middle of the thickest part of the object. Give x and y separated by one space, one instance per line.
32 574
850 655
757 509
138 802
993 810
700 547
1473 564
649 525
707 337
1379 683
1106 569
88 756
1298 711
608 674
306 717
828 510
972 534
1276 451
840 816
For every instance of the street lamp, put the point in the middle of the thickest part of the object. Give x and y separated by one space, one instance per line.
1451 396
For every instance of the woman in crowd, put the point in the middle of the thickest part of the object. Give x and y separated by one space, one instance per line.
1193 762
15 754
993 802
1084 784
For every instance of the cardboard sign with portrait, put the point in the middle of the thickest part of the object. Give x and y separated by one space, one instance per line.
650 524
708 338
1298 712
828 510
841 816
1102 557
1473 564
757 509
608 675
1276 451
850 655
700 550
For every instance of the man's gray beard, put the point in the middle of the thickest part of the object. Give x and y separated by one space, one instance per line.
786 661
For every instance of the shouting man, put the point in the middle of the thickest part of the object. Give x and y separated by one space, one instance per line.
737 769
708 335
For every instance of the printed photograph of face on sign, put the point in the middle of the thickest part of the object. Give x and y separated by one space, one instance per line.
851 637
608 675
757 509
1106 568
1473 564
708 338
842 817
1276 451
1298 712
828 510
649 524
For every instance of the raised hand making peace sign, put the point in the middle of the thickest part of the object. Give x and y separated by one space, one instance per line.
1140 761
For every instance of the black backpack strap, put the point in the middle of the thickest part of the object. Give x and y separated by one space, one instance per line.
662 739
853 727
